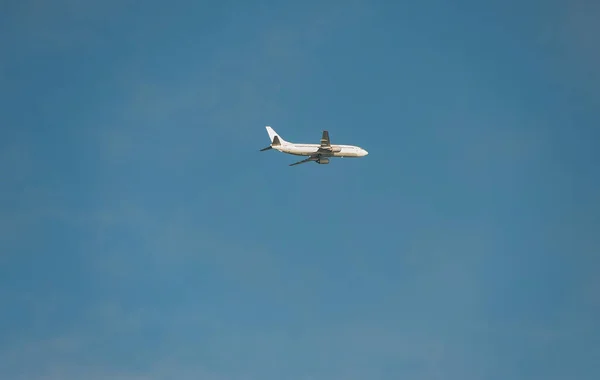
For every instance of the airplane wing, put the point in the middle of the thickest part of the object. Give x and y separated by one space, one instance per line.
311 158
325 147
325 143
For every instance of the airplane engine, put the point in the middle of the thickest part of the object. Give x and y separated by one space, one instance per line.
323 161
336 149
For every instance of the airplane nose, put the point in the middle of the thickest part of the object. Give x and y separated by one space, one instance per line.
365 152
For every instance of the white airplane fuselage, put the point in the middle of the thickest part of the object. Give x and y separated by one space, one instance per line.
313 149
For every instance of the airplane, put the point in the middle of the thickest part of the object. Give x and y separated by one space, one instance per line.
319 153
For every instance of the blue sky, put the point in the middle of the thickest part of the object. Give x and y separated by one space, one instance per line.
143 236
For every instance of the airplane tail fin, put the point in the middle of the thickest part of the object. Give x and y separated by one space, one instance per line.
275 138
